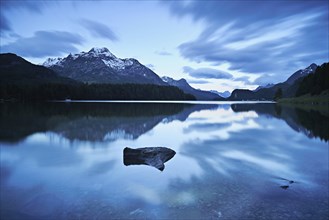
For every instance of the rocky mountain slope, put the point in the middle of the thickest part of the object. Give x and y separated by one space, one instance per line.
99 65
199 94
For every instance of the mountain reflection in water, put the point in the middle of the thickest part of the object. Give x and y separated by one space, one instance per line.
240 161
89 121
310 122
109 122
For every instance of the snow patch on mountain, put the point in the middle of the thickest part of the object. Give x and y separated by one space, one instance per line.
179 83
107 57
309 69
167 79
52 61
301 73
118 63
75 56
100 65
100 52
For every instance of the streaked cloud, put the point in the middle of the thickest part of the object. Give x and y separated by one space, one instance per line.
262 38
4 24
32 6
6 28
244 79
197 81
264 80
162 53
206 73
99 30
45 43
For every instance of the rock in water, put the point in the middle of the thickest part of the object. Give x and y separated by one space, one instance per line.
152 156
284 187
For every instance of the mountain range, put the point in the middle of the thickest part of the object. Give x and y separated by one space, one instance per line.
99 65
100 73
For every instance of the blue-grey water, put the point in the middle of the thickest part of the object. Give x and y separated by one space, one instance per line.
232 161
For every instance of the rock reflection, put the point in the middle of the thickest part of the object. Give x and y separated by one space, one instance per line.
285 187
285 183
152 156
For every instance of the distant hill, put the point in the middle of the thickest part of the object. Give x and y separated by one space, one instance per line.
199 94
288 87
262 87
99 65
16 70
225 94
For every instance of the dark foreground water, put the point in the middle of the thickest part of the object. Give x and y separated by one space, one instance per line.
240 161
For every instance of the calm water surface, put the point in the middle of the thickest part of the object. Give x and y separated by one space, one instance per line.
232 161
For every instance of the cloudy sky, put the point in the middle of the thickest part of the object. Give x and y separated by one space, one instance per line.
218 45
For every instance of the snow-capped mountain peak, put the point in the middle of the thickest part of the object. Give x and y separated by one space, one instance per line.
99 49
301 73
103 53
100 65
167 79
52 61
309 69
96 52
171 81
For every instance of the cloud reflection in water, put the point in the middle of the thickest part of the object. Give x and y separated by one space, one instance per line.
223 156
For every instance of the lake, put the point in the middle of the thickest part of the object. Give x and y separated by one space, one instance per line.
231 161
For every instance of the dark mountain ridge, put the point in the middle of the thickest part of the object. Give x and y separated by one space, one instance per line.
101 75
16 70
301 73
199 94
288 87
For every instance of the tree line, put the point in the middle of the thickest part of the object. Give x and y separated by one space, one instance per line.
58 91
